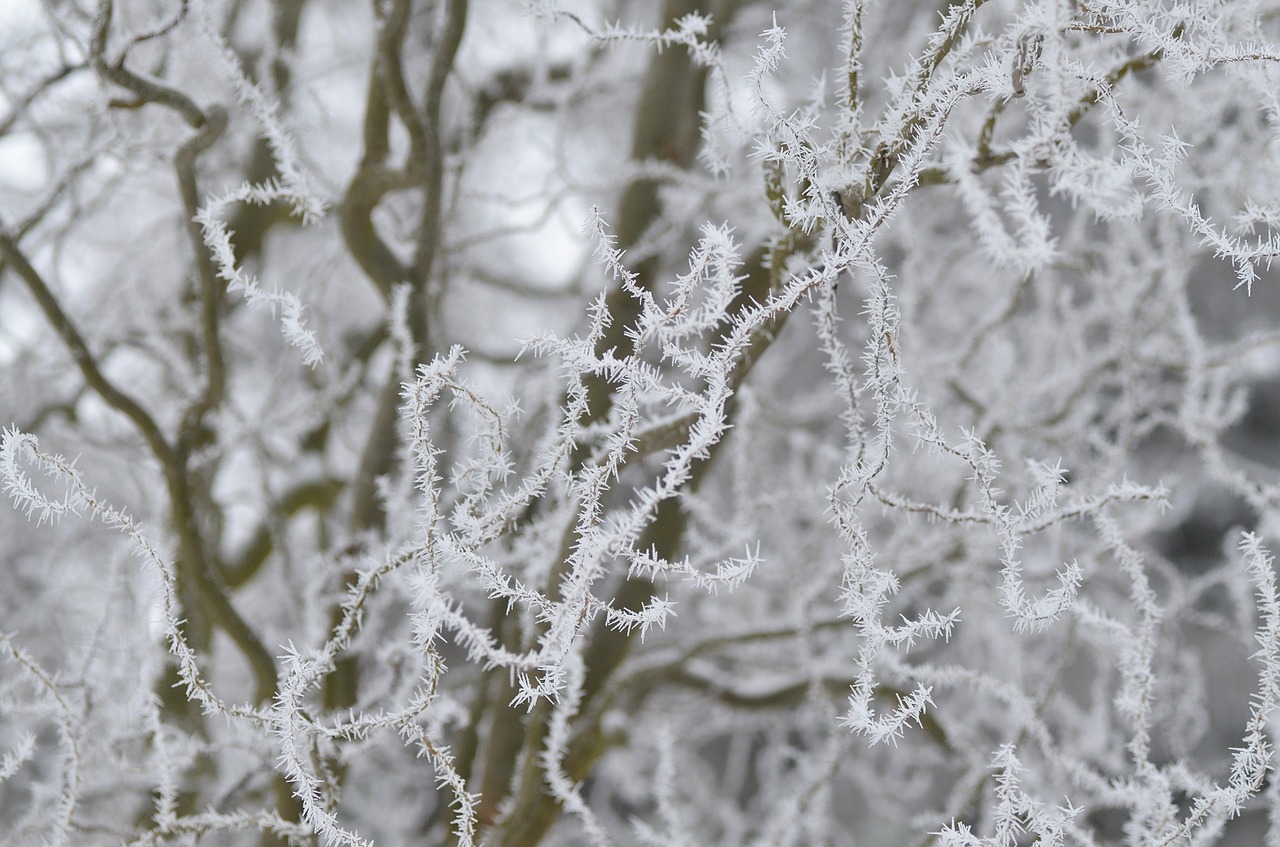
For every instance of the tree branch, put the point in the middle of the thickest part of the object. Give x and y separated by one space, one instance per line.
80 353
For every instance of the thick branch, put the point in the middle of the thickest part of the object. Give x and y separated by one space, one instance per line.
251 221
145 89
372 181
208 596
317 495
80 353
433 155
211 288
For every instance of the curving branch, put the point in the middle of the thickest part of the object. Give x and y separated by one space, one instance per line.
79 350
318 495
211 287
206 596
145 89
987 157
